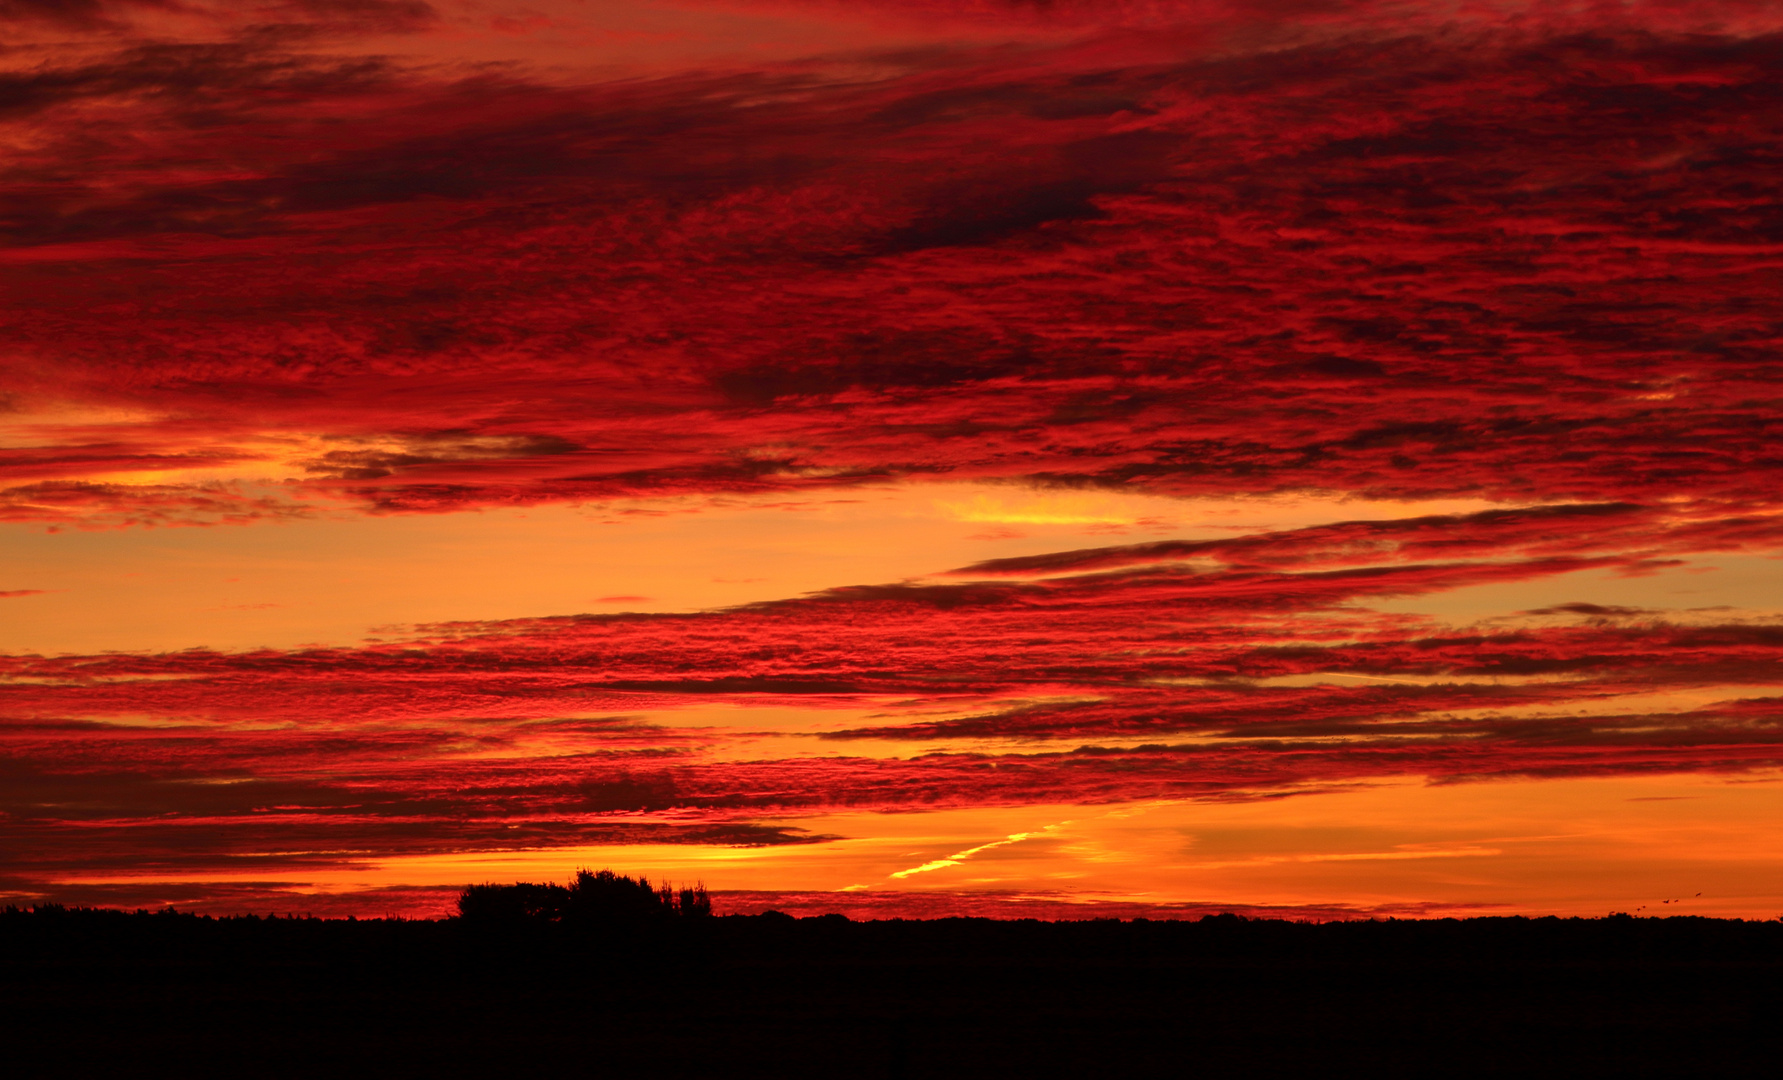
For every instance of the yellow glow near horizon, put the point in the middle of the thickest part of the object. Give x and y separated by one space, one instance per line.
1646 844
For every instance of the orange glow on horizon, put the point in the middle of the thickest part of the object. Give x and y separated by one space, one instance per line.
1679 845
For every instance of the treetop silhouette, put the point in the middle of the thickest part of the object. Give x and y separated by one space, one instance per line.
591 898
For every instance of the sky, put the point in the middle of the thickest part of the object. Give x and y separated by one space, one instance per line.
899 457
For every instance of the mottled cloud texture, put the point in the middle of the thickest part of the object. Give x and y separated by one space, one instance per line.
275 259
1528 261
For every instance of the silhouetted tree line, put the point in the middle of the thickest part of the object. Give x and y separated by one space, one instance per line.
98 992
591 898
599 902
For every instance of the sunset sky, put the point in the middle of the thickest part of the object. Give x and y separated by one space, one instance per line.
898 457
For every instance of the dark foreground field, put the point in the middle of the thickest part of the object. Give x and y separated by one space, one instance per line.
91 993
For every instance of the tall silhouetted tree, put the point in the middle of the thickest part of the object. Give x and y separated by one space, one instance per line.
606 897
694 903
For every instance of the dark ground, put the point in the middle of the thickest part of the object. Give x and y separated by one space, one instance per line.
97 993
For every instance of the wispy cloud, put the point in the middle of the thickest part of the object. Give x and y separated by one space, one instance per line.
960 856
1160 680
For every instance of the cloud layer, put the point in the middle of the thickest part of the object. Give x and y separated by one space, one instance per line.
1506 258
1161 679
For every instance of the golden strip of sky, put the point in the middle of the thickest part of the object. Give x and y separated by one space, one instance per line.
336 577
1678 844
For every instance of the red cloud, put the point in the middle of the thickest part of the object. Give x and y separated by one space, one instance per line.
1533 266
526 733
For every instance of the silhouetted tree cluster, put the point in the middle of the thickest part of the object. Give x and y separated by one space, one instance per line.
591 899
